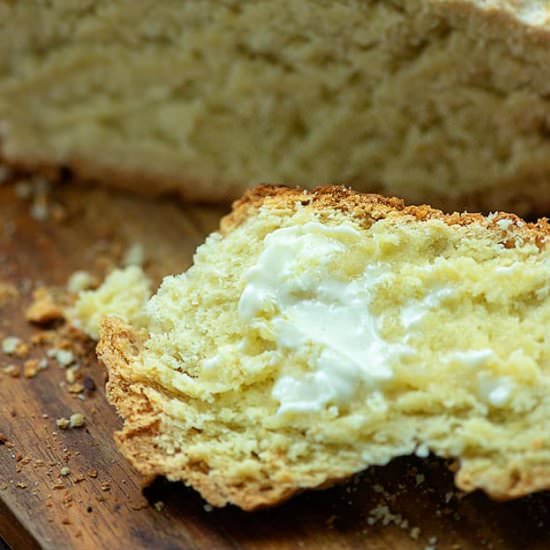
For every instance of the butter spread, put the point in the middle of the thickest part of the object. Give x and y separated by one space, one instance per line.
310 308
298 296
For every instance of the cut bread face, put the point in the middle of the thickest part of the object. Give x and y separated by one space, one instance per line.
319 333
439 101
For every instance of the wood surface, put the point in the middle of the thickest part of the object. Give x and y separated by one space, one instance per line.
408 504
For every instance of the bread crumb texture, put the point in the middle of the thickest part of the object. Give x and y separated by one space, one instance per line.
444 102
124 293
370 330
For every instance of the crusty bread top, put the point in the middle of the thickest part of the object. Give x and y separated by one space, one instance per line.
367 208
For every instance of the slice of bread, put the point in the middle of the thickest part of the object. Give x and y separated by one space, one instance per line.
445 102
322 332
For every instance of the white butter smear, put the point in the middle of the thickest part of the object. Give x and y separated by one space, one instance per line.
291 294
293 297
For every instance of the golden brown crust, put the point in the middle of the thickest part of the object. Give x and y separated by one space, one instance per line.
366 207
515 483
140 404
135 402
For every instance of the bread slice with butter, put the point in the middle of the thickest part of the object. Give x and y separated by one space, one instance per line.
439 101
322 332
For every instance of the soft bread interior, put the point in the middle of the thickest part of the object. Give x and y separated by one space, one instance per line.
308 343
438 101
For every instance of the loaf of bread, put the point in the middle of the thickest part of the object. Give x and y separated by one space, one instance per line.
444 102
321 332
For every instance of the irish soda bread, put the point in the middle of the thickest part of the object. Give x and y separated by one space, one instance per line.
322 332
437 101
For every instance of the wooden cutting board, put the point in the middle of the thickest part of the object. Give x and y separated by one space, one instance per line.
408 504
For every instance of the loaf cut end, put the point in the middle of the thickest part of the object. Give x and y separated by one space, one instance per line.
322 332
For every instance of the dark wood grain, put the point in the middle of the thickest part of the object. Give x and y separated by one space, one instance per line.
40 508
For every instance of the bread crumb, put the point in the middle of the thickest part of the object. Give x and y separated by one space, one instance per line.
62 423
383 514
65 471
71 374
10 345
414 533
12 370
77 387
159 505
76 420
31 368
64 357
44 308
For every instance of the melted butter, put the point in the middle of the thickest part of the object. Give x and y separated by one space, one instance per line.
310 308
297 296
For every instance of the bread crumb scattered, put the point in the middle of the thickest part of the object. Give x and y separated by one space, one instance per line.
10 345
31 368
62 423
64 357
76 421
44 308
71 374
65 471
75 388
